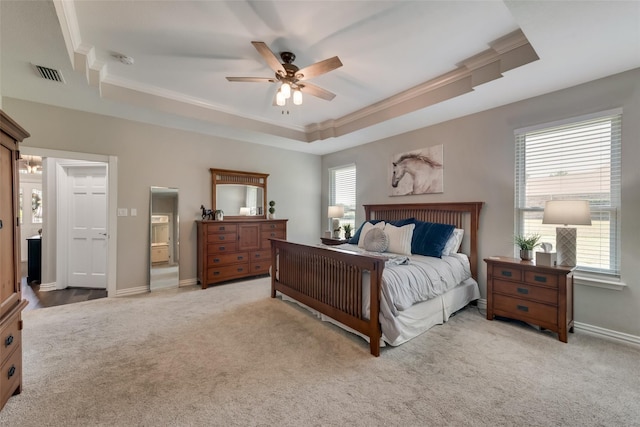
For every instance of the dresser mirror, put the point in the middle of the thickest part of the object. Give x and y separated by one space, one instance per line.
239 194
163 238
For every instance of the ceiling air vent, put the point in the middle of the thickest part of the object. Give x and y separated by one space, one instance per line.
49 73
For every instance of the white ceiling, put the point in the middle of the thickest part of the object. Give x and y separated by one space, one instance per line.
183 50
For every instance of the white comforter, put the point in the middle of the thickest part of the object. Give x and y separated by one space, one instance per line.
410 280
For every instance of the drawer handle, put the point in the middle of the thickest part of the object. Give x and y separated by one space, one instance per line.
541 279
506 273
221 228
221 248
216 260
272 225
8 341
522 308
273 234
240 257
220 237
12 371
257 255
523 291
240 270
216 273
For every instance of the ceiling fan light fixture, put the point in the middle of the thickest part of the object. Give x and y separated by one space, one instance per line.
286 90
297 97
280 99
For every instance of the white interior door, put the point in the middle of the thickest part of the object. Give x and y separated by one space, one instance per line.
87 226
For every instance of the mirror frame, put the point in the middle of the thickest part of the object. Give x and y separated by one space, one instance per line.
226 176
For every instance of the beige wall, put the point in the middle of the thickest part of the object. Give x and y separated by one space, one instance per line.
479 166
150 155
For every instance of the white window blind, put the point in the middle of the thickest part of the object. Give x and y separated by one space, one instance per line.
342 191
578 160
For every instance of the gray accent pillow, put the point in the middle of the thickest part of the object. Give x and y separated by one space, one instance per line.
376 240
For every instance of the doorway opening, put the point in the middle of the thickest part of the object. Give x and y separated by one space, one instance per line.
68 221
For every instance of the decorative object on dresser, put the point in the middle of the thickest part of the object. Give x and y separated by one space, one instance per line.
272 210
540 295
335 213
347 285
234 249
206 213
11 302
527 244
566 212
347 231
330 241
219 215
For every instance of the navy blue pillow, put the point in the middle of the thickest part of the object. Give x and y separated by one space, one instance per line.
430 238
356 237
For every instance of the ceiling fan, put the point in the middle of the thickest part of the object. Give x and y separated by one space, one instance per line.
293 79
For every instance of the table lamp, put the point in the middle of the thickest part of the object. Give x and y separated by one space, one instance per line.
336 212
566 212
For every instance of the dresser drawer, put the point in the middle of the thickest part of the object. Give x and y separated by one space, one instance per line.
270 226
222 247
516 308
227 258
10 375
218 274
260 267
221 237
543 279
522 290
221 228
11 337
261 255
507 273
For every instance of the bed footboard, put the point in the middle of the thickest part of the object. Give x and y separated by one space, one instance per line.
330 281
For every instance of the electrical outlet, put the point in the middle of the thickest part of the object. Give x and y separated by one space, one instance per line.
134 212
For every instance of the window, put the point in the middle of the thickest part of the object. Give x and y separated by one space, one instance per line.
342 191
573 160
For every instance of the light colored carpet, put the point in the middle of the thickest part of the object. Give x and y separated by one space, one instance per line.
230 355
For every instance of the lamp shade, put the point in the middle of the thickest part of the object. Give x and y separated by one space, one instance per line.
336 212
244 211
567 212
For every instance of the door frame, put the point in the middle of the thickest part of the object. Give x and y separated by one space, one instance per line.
49 246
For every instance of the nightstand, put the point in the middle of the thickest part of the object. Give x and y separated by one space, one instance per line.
536 294
329 241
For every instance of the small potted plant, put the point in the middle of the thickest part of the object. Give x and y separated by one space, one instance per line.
218 214
527 243
347 231
272 210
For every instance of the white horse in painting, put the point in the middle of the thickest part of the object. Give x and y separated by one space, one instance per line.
425 172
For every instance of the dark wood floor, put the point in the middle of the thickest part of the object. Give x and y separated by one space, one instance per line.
37 299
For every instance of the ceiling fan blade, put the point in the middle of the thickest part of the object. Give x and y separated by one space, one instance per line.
318 68
270 57
252 79
314 90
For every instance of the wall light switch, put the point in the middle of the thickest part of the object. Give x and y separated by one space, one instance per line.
123 212
134 212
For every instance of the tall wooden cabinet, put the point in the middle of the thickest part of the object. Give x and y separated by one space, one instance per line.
233 249
11 302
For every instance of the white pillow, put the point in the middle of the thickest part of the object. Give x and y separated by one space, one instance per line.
365 229
376 240
454 242
399 238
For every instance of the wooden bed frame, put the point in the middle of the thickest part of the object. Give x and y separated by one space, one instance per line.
329 280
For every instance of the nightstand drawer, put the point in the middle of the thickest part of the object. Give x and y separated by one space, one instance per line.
516 308
543 279
507 272
10 375
521 290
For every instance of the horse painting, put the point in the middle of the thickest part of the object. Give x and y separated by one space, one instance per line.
425 175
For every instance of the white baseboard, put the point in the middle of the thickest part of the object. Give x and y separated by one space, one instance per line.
608 333
46 287
188 282
595 330
132 291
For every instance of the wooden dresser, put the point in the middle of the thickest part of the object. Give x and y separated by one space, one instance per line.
11 302
539 295
233 249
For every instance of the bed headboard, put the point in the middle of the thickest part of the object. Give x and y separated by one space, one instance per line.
465 215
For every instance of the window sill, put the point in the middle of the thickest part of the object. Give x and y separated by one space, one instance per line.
599 282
